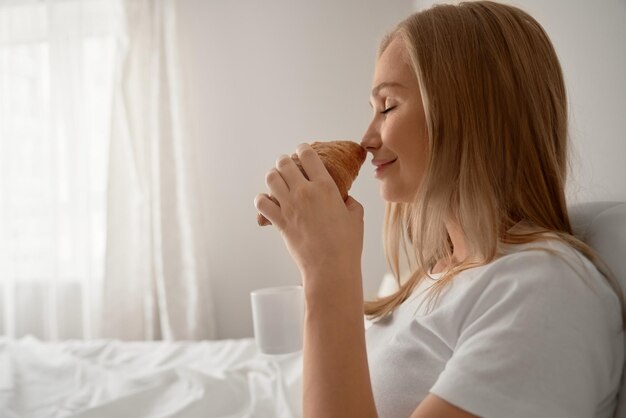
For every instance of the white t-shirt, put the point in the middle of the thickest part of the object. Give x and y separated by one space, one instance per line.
524 336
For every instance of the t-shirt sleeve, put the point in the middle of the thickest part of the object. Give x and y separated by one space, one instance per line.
533 344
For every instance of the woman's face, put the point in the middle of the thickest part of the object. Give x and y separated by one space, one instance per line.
397 137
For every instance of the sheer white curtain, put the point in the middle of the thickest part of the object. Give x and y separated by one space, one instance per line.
56 75
100 232
156 284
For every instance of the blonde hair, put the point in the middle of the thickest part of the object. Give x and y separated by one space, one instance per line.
496 113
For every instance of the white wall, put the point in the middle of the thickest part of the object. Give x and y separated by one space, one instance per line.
590 38
265 76
262 78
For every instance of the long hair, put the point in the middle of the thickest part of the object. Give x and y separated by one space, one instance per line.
496 114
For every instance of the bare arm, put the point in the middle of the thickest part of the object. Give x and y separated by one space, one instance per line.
324 236
435 407
336 380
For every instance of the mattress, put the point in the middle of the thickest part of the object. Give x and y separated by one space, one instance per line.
109 378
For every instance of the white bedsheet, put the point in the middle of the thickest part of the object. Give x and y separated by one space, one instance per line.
226 378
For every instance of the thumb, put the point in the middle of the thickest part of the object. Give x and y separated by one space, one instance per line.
354 206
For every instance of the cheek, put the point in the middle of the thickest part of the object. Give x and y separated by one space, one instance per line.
416 146
412 167
419 156
394 136
406 138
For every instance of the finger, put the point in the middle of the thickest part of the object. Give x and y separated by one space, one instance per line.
276 184
262 220
289 171
268 208
312 163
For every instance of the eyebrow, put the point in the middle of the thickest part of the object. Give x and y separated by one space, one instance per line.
385 84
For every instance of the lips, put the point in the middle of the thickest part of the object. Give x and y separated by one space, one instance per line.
381 165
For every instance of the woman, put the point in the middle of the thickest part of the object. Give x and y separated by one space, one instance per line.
504 313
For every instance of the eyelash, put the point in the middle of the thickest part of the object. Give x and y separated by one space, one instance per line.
387 110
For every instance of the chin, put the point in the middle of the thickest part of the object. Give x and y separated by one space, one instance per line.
391 196
395 195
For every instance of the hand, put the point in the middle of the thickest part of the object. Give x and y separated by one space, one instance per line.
323 234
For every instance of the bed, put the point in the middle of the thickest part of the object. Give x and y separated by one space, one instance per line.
226 378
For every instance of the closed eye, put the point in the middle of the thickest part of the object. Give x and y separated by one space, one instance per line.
388 109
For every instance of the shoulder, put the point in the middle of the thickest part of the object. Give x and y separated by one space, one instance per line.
546 263
544 254
545 276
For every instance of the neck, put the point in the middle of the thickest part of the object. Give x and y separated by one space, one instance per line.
459 247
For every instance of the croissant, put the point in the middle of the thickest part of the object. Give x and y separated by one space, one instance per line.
342 159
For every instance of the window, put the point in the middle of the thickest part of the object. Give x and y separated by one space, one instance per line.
57 66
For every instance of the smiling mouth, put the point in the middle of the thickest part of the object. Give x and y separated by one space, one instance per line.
385 164
380 167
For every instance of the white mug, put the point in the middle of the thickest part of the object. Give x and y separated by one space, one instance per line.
278 318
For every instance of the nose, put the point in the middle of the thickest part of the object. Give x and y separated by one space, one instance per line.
371 138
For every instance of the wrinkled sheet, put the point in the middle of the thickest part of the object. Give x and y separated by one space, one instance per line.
108 378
